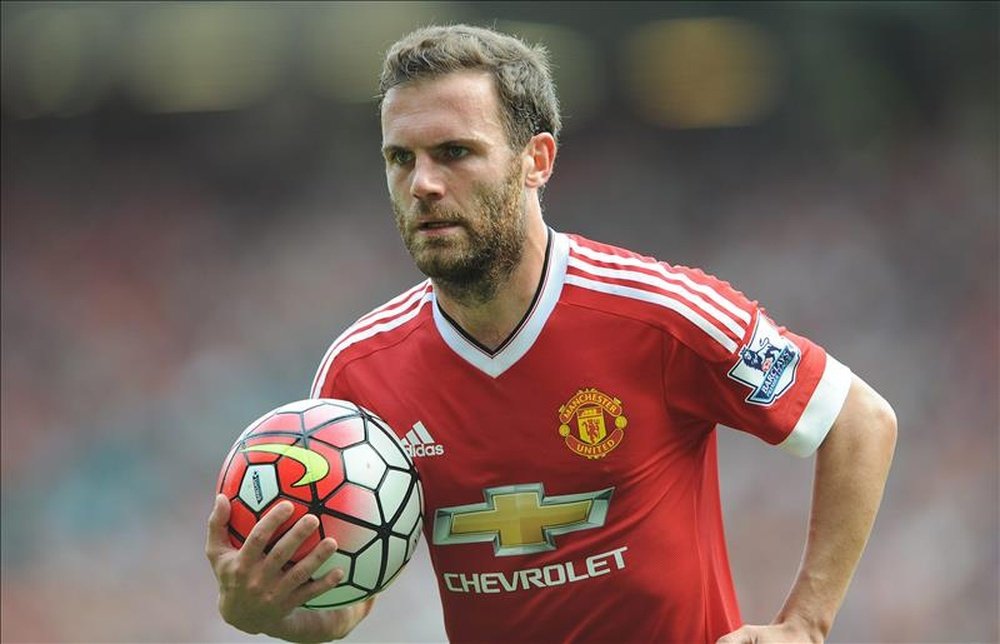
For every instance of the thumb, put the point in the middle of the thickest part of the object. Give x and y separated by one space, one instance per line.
217 541
739 636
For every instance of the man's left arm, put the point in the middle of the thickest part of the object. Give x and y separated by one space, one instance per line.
852 465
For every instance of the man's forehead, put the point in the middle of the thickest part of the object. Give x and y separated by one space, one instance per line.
458 104
467 82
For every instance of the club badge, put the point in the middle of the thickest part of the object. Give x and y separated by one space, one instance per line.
592 423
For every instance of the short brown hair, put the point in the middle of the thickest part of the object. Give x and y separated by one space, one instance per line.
528 99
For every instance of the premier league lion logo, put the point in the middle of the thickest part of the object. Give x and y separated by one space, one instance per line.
760 359
767 364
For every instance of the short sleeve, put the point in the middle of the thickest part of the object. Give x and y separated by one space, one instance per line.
773 384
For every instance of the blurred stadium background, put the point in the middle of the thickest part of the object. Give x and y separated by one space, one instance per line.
193 206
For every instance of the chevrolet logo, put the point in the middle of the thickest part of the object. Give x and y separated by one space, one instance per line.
520 519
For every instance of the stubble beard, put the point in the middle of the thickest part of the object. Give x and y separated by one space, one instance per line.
472 268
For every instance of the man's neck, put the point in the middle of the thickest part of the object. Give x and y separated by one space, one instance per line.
490 323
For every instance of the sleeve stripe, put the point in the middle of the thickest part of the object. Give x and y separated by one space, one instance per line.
390 310
354 333
732 325
658 267
821 411
398 303
655 298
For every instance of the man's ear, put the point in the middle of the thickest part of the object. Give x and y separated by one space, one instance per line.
540 159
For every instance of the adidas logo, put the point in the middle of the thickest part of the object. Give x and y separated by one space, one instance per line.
419 442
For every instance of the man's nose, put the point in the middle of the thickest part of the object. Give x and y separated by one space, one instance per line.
427 183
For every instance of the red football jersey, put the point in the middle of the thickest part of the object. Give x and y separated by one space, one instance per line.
570 476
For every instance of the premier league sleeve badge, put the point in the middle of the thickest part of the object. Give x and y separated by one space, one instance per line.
766 364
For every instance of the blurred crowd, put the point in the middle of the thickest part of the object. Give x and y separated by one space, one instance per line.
167 279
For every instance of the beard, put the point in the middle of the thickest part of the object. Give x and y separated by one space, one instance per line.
470 268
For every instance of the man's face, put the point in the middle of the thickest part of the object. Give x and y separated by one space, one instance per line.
457 188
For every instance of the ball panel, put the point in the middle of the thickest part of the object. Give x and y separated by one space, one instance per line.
280 422
252 427
357 502
300 406
386 443
232 475
259 486
396 551
392 492
368 566
351 537
414 541
227 463
343 433
408 518
323 413
336 560
348 407
363 465
337 597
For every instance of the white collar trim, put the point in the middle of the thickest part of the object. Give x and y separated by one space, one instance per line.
524 338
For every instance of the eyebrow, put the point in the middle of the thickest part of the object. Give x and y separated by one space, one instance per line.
466 142
390 149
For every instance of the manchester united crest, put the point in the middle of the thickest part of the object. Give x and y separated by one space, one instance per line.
592 423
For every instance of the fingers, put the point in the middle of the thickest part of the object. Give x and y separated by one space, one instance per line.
256 542
217 540
286 546
316 587
298 581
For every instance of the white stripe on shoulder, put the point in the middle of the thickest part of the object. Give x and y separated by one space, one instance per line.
388 310
670 287
655 298
706 290
394 305
395 311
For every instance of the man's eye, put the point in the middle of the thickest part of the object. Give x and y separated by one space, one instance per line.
400 157
455 152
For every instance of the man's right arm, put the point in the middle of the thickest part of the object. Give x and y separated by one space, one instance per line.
260 593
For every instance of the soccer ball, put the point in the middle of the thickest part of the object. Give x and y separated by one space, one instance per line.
342 463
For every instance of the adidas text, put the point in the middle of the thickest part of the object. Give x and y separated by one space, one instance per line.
419 442
423 450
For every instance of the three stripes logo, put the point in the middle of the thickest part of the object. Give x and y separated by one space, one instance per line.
419 442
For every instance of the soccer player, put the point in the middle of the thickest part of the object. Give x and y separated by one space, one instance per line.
560 397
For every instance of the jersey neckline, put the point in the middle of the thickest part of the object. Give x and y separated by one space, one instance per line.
524 335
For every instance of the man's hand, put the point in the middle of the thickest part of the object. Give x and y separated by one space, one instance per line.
787 632
260 593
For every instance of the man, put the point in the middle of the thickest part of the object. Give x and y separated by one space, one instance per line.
564 396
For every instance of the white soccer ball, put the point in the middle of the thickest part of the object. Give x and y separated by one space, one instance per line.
342 463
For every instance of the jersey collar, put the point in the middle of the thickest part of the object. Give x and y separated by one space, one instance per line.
524 336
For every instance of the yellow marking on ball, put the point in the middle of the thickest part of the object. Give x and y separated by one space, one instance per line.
316 466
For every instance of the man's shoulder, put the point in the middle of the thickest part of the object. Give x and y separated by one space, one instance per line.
684 302
388 322
378 329
586 247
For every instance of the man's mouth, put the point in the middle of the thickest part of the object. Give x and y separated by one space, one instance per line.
435 225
